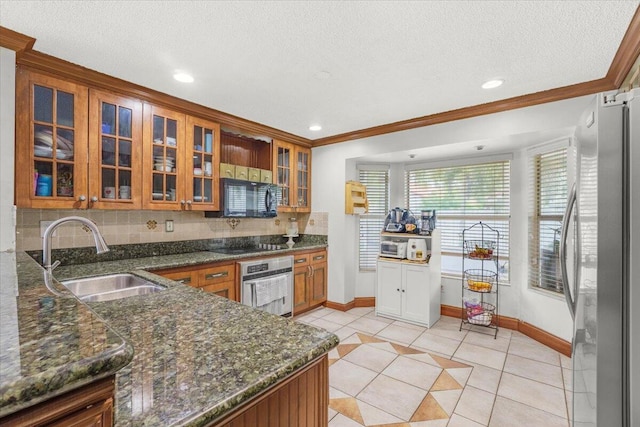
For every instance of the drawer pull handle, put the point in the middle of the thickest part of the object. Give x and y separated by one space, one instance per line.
216 275
185 280
298 261
315 258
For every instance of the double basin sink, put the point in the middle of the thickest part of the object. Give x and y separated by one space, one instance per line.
111 287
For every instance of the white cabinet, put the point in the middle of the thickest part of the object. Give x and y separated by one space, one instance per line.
408 291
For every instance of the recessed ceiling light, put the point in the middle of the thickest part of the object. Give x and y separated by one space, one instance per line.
492 84
183 77
315 128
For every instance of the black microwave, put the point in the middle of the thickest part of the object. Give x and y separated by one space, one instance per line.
246 199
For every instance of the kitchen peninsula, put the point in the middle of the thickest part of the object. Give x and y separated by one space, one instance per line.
196 358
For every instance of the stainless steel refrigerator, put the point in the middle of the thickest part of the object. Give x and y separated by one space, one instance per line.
602 277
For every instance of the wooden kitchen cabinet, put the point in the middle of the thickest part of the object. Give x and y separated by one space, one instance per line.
51 142
218 278
181 161
203 155
164 151
292 169
115 151
91 405
309 280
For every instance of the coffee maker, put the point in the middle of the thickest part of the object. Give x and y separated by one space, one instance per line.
397 219
428 220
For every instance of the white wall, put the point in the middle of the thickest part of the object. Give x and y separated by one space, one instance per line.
7 125
336 163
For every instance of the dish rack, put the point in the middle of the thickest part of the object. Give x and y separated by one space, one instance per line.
480 249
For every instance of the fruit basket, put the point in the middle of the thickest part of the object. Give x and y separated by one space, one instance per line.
479 249
479 313
480 280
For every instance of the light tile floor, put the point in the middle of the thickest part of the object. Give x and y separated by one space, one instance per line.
395 374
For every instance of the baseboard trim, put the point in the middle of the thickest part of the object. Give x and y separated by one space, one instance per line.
533 332
339 306
365 301
544 337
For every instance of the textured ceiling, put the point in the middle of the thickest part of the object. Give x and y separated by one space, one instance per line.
346 65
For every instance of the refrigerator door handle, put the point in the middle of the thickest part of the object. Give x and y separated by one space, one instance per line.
571 303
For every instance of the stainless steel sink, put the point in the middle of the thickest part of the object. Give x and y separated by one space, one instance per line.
112 287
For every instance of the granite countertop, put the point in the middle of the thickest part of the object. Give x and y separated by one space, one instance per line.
49 343
195 355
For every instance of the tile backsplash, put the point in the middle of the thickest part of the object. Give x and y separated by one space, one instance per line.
125 227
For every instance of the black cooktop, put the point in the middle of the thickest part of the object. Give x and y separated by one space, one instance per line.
237 251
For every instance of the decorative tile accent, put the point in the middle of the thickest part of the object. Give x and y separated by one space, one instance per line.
376 404
152 224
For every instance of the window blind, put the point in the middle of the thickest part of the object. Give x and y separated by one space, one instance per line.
547 201
462 196
371 223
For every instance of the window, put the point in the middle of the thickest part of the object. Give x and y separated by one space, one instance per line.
371 223
462 196
548 198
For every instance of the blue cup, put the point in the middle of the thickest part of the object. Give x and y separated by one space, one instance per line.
44 186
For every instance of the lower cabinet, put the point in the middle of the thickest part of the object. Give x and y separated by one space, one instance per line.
91 405
309 280
301 400
408 291
219 279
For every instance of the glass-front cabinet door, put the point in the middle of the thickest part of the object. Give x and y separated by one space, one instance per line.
51 142
303 179
164 150
283 160
292 166
115 150
202 164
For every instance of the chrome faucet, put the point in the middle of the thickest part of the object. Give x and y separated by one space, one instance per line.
101 245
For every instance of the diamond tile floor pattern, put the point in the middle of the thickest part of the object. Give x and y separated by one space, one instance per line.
387 373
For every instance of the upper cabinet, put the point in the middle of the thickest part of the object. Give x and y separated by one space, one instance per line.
115 151
203 164
51 142
95 146
181 161
292 170
165 146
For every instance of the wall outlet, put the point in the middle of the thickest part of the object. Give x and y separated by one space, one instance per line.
168 226
43 227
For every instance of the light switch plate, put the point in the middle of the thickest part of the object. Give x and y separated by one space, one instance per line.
168 226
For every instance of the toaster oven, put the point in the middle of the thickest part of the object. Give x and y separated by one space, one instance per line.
391 249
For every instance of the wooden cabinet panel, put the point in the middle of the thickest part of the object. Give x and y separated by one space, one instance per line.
51 142
91 405
164 166
216 278
292 169
309 280
301 400
185 277
115 151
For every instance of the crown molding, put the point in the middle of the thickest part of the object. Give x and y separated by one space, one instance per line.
522 101
15 41
627 53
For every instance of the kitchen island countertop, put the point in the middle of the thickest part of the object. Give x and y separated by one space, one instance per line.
195 356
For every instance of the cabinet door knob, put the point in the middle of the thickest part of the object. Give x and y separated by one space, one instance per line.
94 199
188 202
82 198
182 202
398 289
